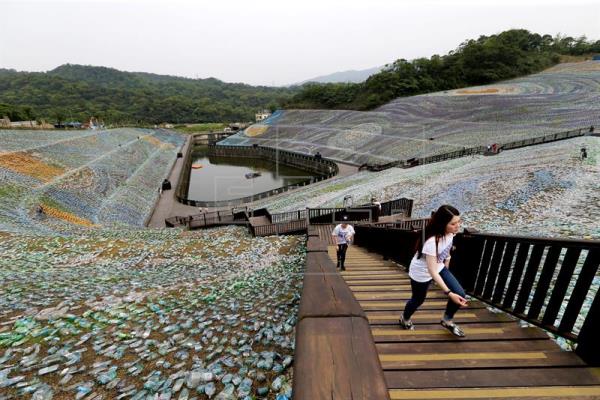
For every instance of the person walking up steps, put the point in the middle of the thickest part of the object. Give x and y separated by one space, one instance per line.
431 263
343 234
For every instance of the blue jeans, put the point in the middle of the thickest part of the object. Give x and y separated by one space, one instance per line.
341 254
419 293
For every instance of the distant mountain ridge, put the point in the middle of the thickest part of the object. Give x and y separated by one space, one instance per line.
352 76
80 91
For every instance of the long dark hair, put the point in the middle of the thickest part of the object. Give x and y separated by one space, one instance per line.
436 227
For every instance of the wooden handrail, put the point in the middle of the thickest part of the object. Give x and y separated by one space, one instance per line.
334 344
543 281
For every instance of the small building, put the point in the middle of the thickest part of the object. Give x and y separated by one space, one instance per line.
262 115
5 122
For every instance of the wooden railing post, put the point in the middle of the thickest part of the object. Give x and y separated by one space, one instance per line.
588 342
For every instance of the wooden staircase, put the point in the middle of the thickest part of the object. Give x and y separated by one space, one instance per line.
498 359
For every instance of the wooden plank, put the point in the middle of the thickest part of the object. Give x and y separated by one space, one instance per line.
428 305
492 274
375 273
517 273
378 288
312 231
541 289
354 272
359 266
464 264
483 268
315 244
484 359
507 393
523 377
530 274
324 292
507 260
544 344
357 282
561 285
376 280
586 277
336 359
433 317
404 295
472 331
588 347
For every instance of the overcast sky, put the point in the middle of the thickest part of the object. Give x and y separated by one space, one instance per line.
267 42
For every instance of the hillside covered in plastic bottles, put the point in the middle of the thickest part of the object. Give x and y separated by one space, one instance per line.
559 99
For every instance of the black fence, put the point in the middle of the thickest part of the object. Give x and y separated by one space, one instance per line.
544 139
393 243
288 216
406 225
413 162
211 218
335 215
281 228
468 151
399 206
546 282
361 213
316 165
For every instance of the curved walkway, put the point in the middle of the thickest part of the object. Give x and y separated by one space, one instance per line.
167 205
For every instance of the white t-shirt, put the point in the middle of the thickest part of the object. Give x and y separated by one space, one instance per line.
418 266
342 233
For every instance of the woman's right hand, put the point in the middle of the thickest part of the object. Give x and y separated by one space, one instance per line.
458 299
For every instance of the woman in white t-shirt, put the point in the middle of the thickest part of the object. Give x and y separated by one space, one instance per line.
342 235
431 263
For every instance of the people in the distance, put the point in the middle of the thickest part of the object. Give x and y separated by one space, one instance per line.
342 235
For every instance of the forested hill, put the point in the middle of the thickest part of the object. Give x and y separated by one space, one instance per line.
78 92
488 59
72 92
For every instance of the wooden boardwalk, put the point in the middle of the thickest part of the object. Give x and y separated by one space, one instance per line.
498 359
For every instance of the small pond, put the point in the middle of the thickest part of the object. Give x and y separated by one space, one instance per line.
224 178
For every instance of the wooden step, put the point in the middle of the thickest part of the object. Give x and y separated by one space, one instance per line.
508 393
353 282
466 347
435 332
433 317
484 359
362 275
398 295
430 304
380 288
495 377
